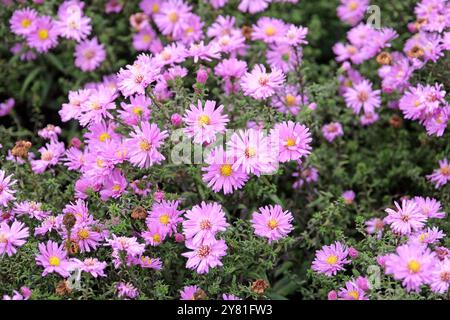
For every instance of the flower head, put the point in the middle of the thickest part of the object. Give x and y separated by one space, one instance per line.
272 222
331 259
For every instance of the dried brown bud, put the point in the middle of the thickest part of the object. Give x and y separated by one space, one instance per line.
384 58
200 295
139 213
247 32
69 221
72 247
259 286
63 288
21 149
396 121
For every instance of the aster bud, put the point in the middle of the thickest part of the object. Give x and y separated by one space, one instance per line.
247 32
332 295
200 295
202 75
75 142
159 196
179 238
139 213
352 252
312 106
363 283
259 286
176 119
21 149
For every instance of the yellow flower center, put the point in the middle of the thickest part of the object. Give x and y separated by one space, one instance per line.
353 5
155 8
99 163
89 54
146 38
272 224
26 23
54 261
189 30
423 236
332 259
83 234
204 120
104 136
157 238
173 17
290 100
290 142
250 152
145 145
414 266
164 219
269 31
354 294
445 170
43 34
166 55
137 111
116 187
226 170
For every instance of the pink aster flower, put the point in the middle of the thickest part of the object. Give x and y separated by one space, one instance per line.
97 107
50 132
369 118
6 107
253 6
440 176
192 31
86 237
31 209
260 84
128 245
426 236
136 110
50 155
352 11
294 140
361 95
141 187
156 233
114 185
332 130
53 258
49 224
331 259
352 291
150 7
253 151
440 280
6 193
288 100
12 237
430 208
199 51
126 290
91 265
75 159
203 123
144 143
406 218
149 263
142 40
72 109
89 54
283 57
73 25
305 175
171 17
203 257
294 36
348 196
113 6
166 214
23 21
268 29
203 222
188 292
220 175
412 264
44 35
272 222
375 226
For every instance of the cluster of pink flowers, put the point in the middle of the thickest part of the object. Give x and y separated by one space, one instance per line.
355 289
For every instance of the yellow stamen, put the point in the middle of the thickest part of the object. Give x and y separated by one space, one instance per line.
332 259
269 31
290 100
54 261
26 23
83 234
226 170
204 120
272 224
43 34
104 136
145 145
164 219
290 142
173 17
414 266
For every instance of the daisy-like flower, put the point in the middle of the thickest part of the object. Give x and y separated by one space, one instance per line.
331 259
166 214
149 263
348 196
23 21
53 258
30 208
261 84
426 236
128 245
50 132
352 11
203 222
144 39
440 176
189 293
86 238
430 208
156 233
203 123
91 265
73 25
203 257
362 96
352 291
272 222
150 7
171 17
332 130
283 57
89 54
144 143
253 6
50 155
375 226
72 109
171 54
268 30
288 100
114 185
96 107
253 151
406 218
412 264
440 280
294 140
44 35
220 175
12 237
6 193
126 290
